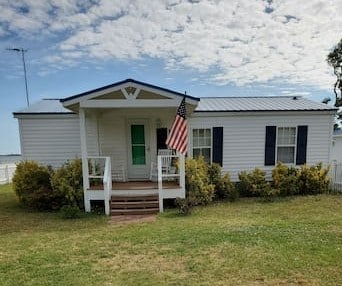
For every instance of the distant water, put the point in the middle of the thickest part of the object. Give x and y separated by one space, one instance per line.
9 159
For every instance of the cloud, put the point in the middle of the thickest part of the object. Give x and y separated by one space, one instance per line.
231 42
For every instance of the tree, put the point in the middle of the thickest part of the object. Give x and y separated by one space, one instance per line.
334 59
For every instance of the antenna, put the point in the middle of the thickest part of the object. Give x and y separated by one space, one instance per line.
22 51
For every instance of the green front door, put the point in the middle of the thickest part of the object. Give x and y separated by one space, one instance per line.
138 144
138 154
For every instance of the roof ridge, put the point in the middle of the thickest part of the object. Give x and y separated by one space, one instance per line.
127 81
255 96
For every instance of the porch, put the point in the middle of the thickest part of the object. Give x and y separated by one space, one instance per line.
99 185
125 125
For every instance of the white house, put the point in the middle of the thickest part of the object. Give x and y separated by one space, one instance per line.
127 122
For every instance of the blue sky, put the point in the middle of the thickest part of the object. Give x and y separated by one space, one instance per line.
207 48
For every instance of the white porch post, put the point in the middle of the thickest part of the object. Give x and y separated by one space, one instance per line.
182 173
160 184
84 151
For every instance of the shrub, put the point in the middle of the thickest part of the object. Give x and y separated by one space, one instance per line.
285 179
224 188
70 212
228 190
67 184
313 180
255 184
31 183
197 185
243 185
185 205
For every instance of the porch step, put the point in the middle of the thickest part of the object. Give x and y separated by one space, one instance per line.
134 205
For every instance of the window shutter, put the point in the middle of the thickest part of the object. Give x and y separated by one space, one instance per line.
217 145
270 145
302 138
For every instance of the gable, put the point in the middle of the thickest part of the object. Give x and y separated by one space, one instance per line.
128 94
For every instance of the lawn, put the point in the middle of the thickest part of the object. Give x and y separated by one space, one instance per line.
295 241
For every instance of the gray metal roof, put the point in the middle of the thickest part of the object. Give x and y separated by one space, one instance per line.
269 103
206 104
44 106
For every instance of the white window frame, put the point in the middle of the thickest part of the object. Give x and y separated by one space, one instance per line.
202 147
287 145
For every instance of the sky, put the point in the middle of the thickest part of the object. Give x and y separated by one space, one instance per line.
206 48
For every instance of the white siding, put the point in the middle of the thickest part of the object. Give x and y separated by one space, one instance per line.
336 150
244 138
50 141
113 131
92 134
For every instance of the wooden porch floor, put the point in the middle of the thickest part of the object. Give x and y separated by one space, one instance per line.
137 185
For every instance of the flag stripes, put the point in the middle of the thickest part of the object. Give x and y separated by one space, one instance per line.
178 137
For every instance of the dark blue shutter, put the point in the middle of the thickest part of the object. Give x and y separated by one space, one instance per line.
302 139
270 145
217 145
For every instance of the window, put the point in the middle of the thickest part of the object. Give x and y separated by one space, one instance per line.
201 144
286 145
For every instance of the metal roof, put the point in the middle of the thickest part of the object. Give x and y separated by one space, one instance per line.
45 106
269 103
206 104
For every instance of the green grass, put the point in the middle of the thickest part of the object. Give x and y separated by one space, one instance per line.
295 241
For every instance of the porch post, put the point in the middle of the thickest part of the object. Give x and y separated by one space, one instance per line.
160 184
182 173
85 170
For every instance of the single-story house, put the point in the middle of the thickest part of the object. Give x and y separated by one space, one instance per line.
127 122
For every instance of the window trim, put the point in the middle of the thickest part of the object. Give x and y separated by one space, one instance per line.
211 142
286 145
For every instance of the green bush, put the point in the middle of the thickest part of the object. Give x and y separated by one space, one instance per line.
70 212
67 183
228 190
197 184
40 188
285 180
31 182
184 205
313 180
255 184
224 188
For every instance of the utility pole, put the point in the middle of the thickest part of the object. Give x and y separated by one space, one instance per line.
22 51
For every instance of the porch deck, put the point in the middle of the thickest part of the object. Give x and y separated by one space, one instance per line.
136 185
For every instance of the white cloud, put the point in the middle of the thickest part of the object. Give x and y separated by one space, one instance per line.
237 41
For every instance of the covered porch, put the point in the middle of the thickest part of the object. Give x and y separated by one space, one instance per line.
122 129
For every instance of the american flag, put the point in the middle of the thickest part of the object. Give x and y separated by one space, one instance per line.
178 136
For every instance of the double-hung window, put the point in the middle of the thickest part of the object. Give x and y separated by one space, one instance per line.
286 144
201 143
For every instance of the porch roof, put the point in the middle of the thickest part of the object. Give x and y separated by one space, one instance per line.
78 97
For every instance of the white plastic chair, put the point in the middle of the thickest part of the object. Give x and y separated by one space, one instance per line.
119 171
166 164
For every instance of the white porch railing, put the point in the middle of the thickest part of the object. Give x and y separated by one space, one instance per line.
336 176
6 173
179 173
99 171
